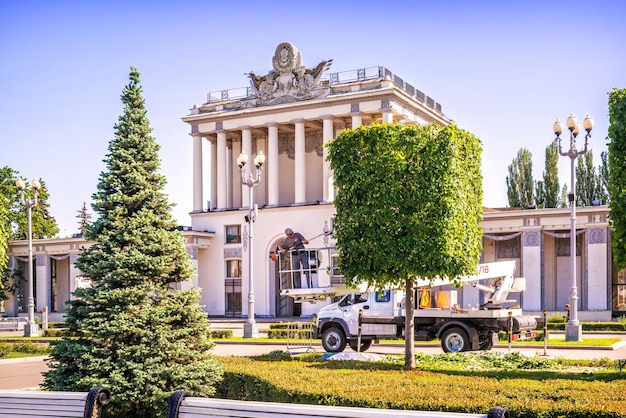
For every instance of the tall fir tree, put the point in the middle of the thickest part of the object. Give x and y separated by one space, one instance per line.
131 331
83 218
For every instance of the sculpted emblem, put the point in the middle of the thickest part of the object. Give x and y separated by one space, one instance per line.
289 80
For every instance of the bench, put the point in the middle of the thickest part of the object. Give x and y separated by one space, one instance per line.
36 403
181 405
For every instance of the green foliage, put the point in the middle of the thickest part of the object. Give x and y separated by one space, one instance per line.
603 178
43 223
14 223
520 183
466 383
131 331
55 332
588 183
221 333
547 190
617 170
408 204
83 218
23 347
557 319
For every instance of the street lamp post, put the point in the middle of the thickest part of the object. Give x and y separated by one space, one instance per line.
250 329
31 329
573 329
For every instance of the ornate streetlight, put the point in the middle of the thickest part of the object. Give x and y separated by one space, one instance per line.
250 329
31 329
573 329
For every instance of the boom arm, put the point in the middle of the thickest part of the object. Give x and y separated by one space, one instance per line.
501 274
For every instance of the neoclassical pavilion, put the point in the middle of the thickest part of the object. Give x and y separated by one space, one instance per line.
288 113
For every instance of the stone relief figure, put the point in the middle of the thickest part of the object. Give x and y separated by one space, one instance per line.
289 80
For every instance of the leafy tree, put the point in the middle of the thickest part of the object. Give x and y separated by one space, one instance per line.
617 177
564 196
548 192
603 178
408 205
520 183
83 218
131 331
587 181
43 223
4 244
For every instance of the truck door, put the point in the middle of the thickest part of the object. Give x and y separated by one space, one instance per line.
380 303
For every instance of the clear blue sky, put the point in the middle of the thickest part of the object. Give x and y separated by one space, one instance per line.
502 70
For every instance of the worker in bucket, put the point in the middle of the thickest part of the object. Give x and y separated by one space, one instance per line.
294 243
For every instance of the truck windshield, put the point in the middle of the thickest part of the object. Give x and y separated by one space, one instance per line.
352 299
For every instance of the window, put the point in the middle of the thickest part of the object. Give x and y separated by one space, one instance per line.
233 288
233 269
383 296
233 234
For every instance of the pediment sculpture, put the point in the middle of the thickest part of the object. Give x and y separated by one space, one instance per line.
289 80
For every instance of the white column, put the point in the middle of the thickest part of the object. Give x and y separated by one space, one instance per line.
300 163
221 171
531 269
42 274
213 171
357 120
246 146
74 273
198 203
326 172
598 248
271 173
387 116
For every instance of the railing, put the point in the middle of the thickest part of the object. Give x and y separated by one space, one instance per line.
12 323
333 79
310 268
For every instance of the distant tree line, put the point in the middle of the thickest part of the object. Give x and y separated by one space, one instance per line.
525 192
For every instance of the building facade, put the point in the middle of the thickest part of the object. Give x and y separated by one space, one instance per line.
289 114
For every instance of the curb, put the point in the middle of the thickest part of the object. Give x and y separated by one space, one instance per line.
23 359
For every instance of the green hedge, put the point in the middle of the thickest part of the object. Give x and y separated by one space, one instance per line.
525 393
221 333
23 347
591 326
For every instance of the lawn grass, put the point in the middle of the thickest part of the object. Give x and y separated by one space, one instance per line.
461 382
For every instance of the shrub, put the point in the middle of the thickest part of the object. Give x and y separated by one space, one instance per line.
55 332
5 349
30 348
221 333
557 319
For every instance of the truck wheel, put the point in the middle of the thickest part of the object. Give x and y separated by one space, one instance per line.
455 340
365 344
333 340
486 342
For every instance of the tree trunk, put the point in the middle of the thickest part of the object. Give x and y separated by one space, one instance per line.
409 326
